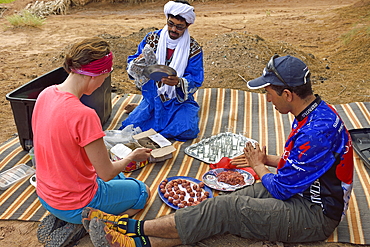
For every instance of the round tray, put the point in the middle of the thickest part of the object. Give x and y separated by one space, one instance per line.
210 179
156 72
192 180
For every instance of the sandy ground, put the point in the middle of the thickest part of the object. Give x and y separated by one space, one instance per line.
238 38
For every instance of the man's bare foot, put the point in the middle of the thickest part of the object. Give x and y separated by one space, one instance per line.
130 107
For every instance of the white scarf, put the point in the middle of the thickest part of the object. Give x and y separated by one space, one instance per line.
181 45
181 54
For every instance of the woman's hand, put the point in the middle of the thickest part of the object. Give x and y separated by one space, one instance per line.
139 154
107 170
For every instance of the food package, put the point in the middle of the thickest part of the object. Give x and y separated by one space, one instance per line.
162 149
120 151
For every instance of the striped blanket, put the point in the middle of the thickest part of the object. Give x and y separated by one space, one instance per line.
247 113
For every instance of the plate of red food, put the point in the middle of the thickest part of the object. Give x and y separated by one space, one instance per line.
227 179
181 191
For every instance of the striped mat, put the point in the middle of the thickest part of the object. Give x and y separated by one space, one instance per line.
247 113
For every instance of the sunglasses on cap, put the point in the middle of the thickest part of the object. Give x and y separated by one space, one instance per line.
170 24
271 68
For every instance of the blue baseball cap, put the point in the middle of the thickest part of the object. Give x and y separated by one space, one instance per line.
291 70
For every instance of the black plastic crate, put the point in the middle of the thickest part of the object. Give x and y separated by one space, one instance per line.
23 99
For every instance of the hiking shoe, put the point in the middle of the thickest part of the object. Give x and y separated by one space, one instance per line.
102 236
47 226
66 235
117 223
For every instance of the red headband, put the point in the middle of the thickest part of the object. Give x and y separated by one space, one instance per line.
97 67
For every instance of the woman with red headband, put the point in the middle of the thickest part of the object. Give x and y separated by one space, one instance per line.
73 166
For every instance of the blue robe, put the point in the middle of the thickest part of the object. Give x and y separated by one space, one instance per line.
175 118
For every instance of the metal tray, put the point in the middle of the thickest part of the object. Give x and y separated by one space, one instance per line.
213 149
157 71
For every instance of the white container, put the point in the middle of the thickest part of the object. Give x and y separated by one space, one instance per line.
119 151
14 175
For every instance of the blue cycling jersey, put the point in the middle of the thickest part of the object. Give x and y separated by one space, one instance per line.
317 162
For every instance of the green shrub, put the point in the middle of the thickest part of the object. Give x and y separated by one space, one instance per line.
25 18
6 1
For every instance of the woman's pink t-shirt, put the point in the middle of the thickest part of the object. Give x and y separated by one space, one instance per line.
62 125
